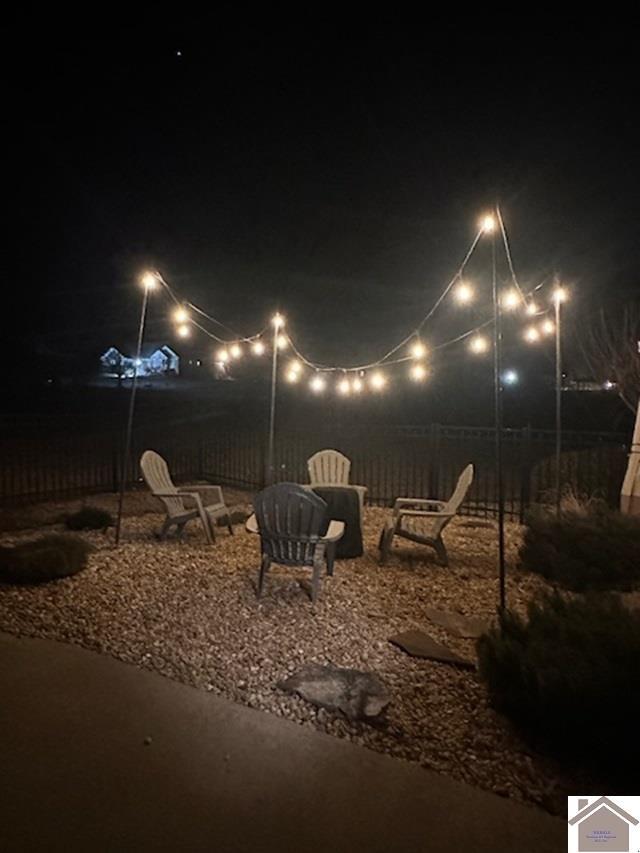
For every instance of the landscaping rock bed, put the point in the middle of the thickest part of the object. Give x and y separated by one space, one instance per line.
189 612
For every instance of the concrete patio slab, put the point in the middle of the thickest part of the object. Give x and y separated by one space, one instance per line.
97 755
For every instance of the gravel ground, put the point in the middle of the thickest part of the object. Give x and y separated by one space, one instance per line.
190 612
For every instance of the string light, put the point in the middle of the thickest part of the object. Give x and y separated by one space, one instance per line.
418 372
418 350
357 385
531 334
149 280
510 299
281 342
277 320
378 380
463 293
223 355
344 387
292 375
559 295
235 350
488 224
294 366
180 315
318 384
184 331
532 309
257 348
548 327
478 344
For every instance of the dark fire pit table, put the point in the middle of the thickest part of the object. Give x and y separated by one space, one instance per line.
343 504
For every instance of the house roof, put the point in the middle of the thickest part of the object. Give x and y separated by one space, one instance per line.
148 349
603 801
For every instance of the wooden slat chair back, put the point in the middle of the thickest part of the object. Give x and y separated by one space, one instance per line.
329 468
156 475
294 530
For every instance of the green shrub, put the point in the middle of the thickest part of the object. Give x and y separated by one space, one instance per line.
89 518
567 678
44 559
585 547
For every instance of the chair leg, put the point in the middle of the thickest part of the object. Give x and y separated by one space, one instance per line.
441 552
165 528
315 580
386 540
180 529
330 557
264 568
229 525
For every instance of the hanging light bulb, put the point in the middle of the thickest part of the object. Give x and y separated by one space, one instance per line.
257 348
478 344
181 315
281 342
149 280
184 331
378 380
548 327
559 295
531 334
357 385
463 293
510 299
277 320
418 372
318 384
223 355
235 350
344 386
292 375
418 350
532 309
294 366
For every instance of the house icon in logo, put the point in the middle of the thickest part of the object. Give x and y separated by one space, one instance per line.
602 826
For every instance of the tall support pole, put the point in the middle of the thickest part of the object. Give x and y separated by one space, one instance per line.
558 490
132 403
497 401
277 323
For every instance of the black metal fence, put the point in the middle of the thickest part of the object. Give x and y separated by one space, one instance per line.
390 461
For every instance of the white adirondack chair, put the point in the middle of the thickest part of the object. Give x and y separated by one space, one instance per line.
331 468
423 521
201 501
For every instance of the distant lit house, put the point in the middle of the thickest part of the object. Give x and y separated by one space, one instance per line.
155 360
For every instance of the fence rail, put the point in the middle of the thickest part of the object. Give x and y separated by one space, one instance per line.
390 461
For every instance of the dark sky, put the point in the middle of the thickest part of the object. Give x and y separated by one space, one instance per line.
337 173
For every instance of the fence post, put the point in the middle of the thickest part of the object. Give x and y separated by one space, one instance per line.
525 472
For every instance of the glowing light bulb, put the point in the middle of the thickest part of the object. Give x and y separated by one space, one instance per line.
344 386
295 366
277 320
257 348
378 381
292 376
510 377
418 372
548 327
180 315
488 224
235 350
357 386
318 384
532 309
531 334
510 299
463 293
184 331
418 350
281 342
149 280
478 344
559 295
223 355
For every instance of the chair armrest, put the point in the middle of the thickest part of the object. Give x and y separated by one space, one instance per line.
399 502
423 513
251 524
201 488
335 531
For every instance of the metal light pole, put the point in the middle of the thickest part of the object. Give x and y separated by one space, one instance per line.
497 401
559 296
149 281
277 322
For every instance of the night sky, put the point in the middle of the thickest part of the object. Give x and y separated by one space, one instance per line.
335 173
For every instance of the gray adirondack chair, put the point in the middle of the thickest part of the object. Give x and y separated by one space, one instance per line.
292 524
423 521
332 468
185 503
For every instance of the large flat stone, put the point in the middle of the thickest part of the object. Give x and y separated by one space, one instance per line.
359 695
467 627
421 645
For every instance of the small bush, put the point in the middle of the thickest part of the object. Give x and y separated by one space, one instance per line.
568 677
89 518
585 547
43 559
